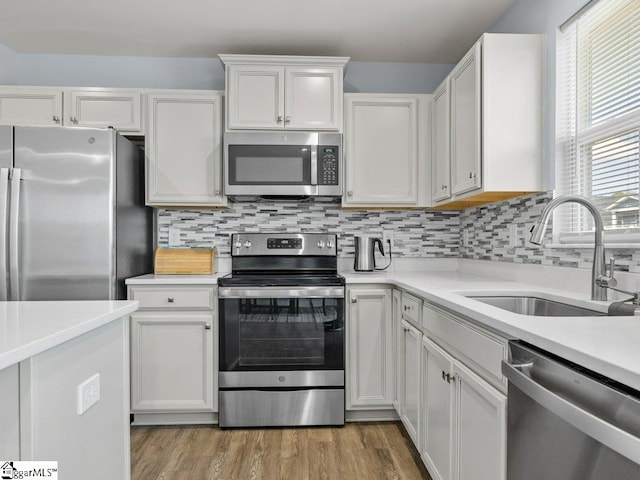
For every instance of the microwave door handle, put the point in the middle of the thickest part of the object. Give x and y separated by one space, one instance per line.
4 204
314 165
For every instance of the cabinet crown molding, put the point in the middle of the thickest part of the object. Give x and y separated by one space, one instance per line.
284 60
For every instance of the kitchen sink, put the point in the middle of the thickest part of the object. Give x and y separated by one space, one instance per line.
541 307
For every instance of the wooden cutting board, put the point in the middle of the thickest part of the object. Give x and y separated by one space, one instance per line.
183 261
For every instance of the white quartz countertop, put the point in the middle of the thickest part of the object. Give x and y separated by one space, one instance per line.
29 328
607 345
151 279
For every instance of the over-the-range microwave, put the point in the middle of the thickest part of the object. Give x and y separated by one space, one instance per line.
282 163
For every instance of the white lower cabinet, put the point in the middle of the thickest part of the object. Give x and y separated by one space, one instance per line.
398 356
410 411
10 413
370 367
437 411
173 359
463 415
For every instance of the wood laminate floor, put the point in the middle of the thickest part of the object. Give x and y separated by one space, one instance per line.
357 451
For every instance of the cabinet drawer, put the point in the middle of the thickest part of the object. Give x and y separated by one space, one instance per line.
480 350
411 308
187 298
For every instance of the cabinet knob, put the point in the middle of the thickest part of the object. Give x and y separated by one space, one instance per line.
279 120
350 193
216 192
56 119
170 299
470 174
447 377
444 187
406 307
287 119
354 300
74 119
207 326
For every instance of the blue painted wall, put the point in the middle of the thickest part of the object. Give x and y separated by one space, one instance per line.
7 65
197 73
542 16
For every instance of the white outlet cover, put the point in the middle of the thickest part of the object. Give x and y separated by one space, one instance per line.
88 393
174 237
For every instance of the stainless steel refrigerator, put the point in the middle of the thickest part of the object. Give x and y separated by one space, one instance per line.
73 224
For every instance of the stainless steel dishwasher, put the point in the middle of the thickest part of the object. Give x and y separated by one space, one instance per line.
567 423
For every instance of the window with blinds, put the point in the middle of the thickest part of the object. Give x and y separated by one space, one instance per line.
598 118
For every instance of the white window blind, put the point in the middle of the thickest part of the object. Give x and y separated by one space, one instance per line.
598 118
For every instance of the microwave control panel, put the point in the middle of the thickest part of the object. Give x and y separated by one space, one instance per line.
327 165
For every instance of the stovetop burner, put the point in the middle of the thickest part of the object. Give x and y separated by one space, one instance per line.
273 279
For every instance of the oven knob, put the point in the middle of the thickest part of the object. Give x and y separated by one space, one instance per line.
320 243
238 244
329 244
247 244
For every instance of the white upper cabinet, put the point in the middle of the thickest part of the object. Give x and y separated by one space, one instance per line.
75 107
30 106
495 144
465 122
183 149
101 107
441 144
386 150
268 92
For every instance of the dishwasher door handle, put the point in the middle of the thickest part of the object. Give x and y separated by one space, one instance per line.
607 434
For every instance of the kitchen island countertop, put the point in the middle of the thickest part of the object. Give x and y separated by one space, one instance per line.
29 328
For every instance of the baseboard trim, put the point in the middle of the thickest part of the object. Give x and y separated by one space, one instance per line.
196 418
389 415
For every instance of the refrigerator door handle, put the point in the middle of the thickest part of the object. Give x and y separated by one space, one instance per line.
4 203
14 237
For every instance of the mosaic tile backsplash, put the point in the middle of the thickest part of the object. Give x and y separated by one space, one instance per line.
485 234
416 233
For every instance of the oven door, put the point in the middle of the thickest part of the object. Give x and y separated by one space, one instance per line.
281 328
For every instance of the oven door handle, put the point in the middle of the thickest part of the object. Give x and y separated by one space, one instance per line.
279 292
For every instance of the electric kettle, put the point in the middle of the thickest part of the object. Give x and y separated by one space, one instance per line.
365 249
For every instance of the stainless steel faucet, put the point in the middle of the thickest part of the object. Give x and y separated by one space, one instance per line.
598 292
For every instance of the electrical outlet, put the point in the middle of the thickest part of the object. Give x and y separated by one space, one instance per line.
465 238
174 237
88 393
387 237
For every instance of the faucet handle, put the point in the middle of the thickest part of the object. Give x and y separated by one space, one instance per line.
608 280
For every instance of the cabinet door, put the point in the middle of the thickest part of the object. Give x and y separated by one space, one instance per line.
30 106
437 408
481 428
10 413
370 362
120 109
411 382
184 166
172 362
465 122
398 355
313 98
255 97
441 158
381 158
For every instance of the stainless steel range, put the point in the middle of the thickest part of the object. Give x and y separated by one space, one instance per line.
282 332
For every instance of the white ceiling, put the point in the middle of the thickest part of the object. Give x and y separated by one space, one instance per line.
426 31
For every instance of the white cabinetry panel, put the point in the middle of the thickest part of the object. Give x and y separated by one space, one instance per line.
30 106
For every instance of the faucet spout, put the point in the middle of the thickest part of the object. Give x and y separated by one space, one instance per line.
598 269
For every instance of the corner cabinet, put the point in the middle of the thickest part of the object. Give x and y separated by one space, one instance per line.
184 150
173 359
369 367
269 92
494 144
121 109
386 152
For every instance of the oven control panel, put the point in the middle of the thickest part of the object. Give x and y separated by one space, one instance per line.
284 243
270 244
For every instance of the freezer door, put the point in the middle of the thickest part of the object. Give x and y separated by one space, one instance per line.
65 226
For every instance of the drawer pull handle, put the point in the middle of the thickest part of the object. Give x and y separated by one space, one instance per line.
170 299
207 326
